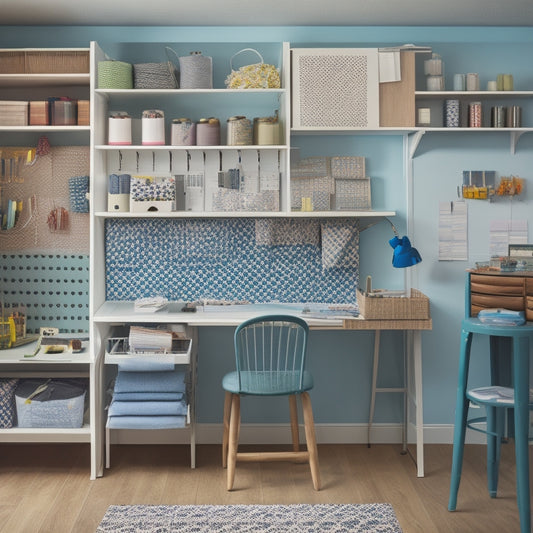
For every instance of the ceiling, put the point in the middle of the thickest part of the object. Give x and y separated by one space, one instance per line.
268 12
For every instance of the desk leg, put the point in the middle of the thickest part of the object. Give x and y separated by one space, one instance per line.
374 383
416 352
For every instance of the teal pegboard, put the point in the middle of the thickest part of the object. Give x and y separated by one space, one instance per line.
54 289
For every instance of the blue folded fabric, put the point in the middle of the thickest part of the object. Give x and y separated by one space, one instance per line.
118 408
148 396
150 381
146 422
145 365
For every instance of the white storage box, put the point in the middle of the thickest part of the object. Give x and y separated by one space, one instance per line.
52 403
13 113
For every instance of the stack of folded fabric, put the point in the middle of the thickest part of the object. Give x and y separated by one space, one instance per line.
148 400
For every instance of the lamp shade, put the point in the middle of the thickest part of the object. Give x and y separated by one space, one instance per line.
404 254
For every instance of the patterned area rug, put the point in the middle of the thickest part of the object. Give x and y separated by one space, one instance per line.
301 518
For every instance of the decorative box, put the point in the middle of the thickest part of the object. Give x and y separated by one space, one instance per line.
39 115
152 194
13 113
83 113
64 112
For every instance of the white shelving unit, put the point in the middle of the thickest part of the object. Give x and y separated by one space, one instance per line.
29 86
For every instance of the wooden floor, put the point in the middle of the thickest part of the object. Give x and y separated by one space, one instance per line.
46 487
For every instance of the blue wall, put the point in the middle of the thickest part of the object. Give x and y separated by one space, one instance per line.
341 393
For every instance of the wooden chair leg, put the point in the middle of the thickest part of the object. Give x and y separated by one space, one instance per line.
293 405
225 435
311 439
234 427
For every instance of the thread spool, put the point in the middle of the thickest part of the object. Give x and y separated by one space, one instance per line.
208 132
451 113
196 71
472 81
459 82
183 132
474 115
153 127
266 131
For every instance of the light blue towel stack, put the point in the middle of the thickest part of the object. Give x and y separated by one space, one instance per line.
148 400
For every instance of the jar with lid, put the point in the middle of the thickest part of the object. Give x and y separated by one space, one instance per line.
266 130
153 127
119 128
239 131
183 132
208 132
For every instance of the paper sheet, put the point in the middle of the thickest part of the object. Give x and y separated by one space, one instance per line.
453 240
506 232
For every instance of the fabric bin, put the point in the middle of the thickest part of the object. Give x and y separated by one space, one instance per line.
7 402
52 403
39 115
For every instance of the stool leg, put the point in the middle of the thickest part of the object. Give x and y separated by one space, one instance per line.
521 419
461 413
495 426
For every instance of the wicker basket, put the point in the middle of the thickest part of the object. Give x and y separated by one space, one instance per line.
44 61
413 307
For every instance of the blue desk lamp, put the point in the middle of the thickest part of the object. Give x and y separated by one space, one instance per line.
404 254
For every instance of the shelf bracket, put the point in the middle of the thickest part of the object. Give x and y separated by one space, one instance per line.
416 137
515 135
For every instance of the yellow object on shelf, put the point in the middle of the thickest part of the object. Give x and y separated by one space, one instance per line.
8 334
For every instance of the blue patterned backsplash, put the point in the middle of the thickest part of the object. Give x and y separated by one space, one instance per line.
255 260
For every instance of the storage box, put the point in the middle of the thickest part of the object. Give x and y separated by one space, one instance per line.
52 403
64 112
415 306
13 113
83 113
39 115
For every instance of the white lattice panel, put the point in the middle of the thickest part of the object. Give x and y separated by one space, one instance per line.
335 88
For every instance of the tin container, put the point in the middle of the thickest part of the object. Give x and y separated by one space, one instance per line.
451 113
266 131
208 132
514 116
183 132
239 131
119 128
474 115
153 127
498 116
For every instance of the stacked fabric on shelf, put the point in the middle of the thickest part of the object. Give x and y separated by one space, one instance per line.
148 400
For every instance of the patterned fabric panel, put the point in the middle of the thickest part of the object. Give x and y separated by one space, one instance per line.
217 259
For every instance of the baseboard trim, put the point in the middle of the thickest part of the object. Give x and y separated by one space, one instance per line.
280 434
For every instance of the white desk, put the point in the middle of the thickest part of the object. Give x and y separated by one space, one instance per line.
122 312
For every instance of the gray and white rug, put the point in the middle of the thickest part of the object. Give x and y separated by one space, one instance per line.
300 518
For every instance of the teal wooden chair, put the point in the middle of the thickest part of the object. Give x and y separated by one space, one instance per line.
270 354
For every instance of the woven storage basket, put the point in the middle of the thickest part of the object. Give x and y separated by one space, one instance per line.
413 307
7 401
352 194
12 62
115 75
57 62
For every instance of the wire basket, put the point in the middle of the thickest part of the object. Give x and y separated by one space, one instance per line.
352 194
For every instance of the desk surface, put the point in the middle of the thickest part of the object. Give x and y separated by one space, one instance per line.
233 315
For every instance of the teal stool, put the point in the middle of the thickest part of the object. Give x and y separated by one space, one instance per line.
508 345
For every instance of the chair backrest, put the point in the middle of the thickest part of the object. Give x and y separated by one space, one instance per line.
270 354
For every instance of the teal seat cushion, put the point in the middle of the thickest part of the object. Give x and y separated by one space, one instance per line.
267 383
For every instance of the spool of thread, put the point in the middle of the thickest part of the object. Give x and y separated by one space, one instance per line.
472 81
435 83
499 82
208 132
459 82
474 115
451 113
508 84
196 71
239 131
266 131
183 132
492 85
115 75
